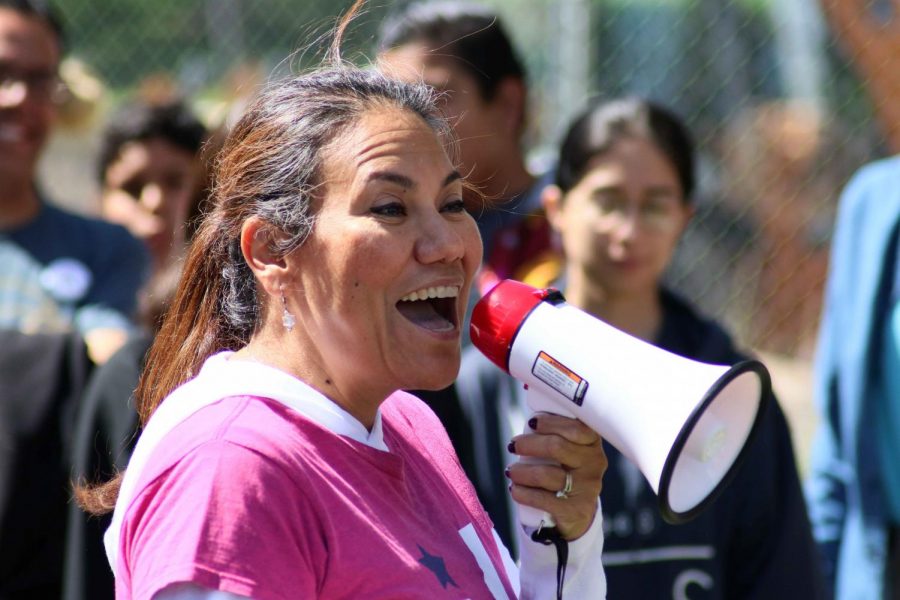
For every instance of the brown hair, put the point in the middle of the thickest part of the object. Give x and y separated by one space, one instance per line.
269 167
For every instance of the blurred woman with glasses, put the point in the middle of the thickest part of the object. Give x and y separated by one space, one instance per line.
621 200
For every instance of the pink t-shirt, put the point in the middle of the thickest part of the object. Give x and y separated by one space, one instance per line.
250 497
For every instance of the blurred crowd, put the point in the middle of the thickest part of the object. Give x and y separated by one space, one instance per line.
619 223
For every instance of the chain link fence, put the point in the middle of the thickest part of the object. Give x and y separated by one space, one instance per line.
773 95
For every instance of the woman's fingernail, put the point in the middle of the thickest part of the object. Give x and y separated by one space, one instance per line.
532 422
506 472
512 447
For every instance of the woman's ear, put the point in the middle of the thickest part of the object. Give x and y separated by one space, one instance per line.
269 268
510 97
551 199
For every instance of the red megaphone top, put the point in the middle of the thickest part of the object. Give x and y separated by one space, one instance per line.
497 317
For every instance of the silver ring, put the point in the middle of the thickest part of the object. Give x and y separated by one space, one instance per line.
567 489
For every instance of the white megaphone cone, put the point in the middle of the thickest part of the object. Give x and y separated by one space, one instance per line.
685 424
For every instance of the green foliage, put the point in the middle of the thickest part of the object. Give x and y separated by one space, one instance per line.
198 40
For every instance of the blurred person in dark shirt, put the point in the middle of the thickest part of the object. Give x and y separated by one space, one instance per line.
81 276
463 50
151 173
152 166
92 269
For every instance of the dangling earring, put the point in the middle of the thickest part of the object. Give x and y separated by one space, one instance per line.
287 319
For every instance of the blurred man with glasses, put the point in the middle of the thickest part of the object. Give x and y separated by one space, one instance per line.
63 278
90 268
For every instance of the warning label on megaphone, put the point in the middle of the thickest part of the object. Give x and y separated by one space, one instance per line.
559 377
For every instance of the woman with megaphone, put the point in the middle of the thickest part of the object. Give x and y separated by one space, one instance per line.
279 458
620 202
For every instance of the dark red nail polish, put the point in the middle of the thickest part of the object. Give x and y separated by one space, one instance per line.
532 422
512 447
506 472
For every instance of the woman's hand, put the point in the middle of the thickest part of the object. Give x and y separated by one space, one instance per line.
578 450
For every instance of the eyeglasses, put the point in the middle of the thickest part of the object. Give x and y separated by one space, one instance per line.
658 213
45 86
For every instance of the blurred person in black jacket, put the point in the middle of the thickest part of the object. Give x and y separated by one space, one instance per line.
42 377
152 168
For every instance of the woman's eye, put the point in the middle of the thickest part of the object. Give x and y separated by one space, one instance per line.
454 206
132 188
609 202
655 208
391 209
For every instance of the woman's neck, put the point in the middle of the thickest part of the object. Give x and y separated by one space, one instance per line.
361 402
637 313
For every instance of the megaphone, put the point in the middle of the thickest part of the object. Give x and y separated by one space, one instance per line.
685 424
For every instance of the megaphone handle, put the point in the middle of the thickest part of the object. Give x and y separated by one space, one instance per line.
529 516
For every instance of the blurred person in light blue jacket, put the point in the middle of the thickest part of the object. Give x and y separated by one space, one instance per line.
854 489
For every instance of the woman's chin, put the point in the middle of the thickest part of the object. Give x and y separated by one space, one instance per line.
436 378
431 387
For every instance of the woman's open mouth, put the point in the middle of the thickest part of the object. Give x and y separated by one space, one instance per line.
432 308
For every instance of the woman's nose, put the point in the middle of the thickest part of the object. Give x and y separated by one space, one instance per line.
12 93
627 224
152 198
439 241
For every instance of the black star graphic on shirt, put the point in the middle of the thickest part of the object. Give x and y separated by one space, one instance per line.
436 565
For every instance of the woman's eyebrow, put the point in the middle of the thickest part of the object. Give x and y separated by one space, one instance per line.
392 177
662 189
451 177
407 182
607 187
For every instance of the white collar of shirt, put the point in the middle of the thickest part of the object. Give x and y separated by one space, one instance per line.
221 378
235 377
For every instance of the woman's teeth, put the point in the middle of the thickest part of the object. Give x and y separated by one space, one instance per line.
441 291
